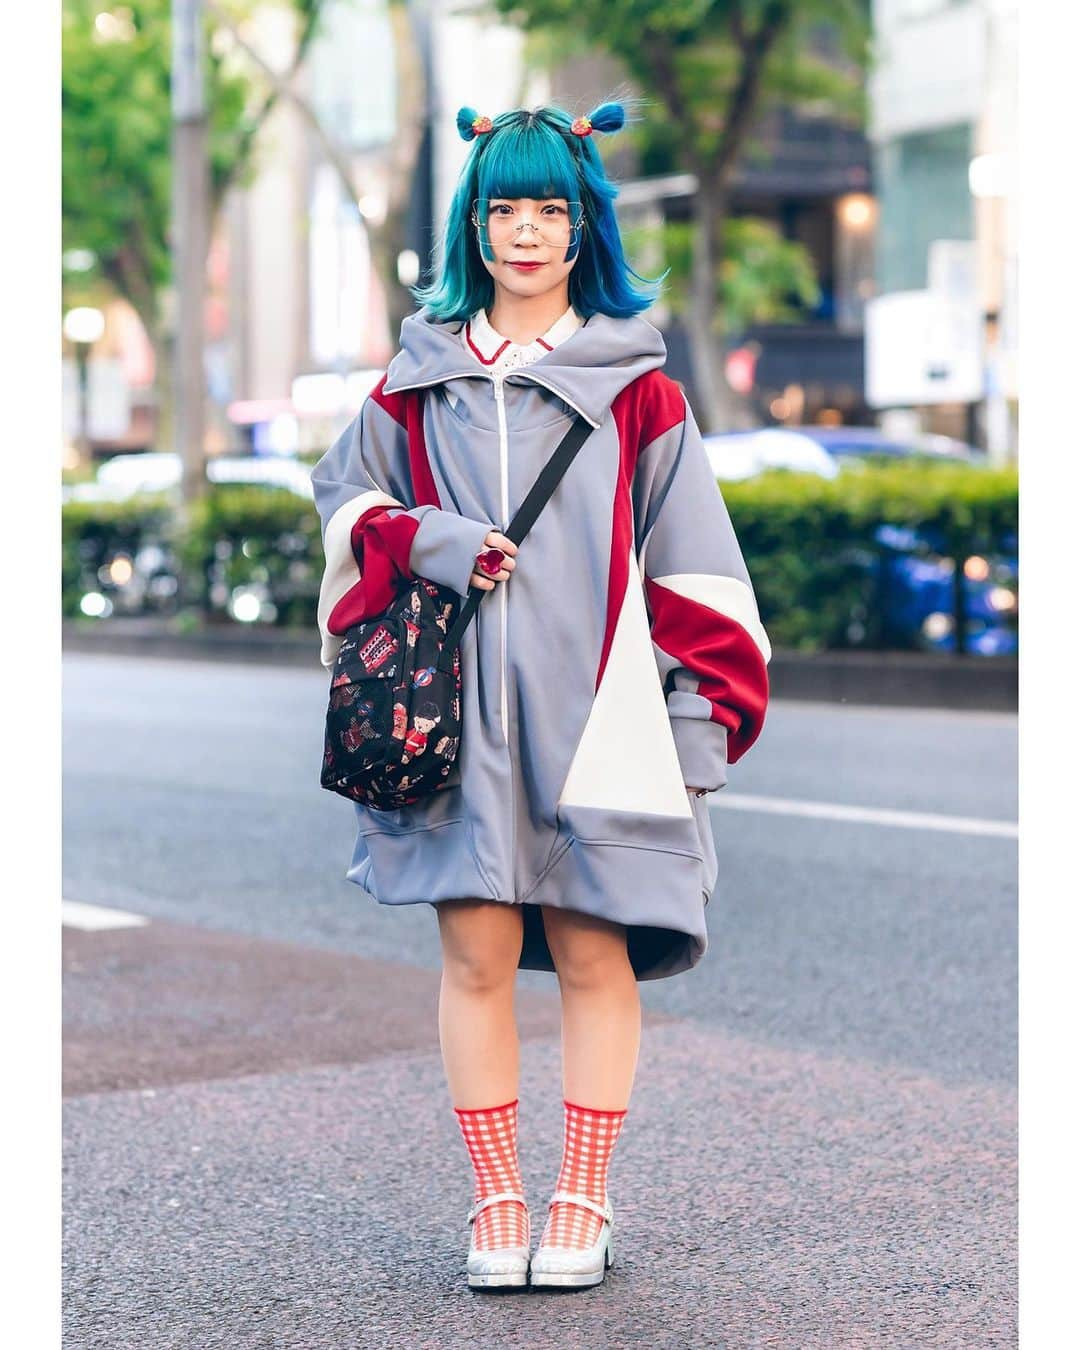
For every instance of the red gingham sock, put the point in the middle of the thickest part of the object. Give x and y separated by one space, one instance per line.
588 1142
491 1138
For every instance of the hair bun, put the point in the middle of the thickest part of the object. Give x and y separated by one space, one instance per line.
608 117
465 119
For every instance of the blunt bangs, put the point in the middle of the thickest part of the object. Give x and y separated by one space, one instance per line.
528 161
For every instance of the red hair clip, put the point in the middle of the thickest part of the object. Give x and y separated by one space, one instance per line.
471 124
581 126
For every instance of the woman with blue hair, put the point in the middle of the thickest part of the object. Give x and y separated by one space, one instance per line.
607 686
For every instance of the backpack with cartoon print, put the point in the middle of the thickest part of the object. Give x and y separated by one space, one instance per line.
393 725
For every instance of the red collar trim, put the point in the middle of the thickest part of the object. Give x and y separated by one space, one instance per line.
484 360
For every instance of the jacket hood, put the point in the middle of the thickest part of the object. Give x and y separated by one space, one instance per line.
587 370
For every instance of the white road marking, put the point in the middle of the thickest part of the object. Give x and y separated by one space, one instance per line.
95 918
864 815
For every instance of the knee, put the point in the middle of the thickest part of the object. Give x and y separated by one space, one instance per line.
586 958
481 946
479 970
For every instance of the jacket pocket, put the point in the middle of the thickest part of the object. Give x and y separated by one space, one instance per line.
441 807
413 855
631 829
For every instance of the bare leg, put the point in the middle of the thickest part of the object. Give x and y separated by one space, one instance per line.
601 1032
481 943
601 1009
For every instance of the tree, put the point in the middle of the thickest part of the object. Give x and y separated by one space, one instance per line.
116 148
763 277
714 66
116 140
385 236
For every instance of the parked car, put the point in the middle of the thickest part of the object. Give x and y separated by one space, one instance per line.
914 577
744 454
123 476
823 450
917 593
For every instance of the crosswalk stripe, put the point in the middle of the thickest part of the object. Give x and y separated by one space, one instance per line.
864 815
95 918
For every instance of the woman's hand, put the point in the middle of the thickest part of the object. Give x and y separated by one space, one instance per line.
496 540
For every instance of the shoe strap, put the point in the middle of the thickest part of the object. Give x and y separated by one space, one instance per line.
496 1199
573 1198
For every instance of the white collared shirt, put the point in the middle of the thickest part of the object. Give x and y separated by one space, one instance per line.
499 355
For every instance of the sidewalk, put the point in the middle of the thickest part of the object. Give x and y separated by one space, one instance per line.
896 679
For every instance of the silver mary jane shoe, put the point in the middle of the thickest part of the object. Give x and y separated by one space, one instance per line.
502 1267
574 1268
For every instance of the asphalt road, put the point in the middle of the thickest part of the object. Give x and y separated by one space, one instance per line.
259 1145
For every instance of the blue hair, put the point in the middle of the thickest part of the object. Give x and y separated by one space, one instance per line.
535 154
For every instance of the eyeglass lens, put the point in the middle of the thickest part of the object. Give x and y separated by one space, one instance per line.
553 223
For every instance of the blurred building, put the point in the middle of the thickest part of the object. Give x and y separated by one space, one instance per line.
809 177
319 328
303 299
941 334
308 329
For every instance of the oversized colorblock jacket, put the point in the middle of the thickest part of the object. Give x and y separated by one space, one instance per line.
622 662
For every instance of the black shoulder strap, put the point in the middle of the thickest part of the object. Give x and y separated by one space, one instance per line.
522 523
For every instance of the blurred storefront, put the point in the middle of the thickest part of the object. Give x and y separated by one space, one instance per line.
810 178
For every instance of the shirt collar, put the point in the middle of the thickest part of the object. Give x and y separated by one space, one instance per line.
487 345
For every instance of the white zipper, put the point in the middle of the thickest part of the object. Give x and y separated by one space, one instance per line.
500 407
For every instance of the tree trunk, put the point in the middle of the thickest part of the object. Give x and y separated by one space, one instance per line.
164 400
718 407
386 242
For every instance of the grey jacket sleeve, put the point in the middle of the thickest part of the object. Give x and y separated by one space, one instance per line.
374 538
710 647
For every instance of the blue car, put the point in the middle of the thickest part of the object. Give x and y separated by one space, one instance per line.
860 443
919 597
914 600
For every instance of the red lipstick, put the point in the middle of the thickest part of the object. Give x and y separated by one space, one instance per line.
525 266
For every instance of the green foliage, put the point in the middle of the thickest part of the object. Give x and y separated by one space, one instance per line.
265 539
808 542
799 75
705 72
93 533
764 278
116 140
808 591
689 56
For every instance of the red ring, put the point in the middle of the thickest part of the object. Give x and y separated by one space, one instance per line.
490 561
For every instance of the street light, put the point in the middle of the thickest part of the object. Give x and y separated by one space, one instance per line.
83 326
856 210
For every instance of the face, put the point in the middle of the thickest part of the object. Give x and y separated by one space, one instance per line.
545 266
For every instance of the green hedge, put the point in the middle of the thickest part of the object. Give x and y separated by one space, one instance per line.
264 539
808 542
93 533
